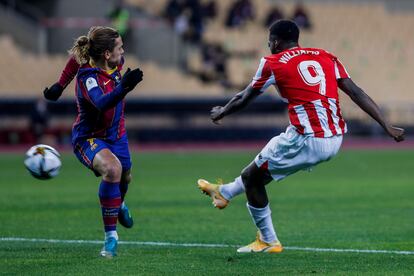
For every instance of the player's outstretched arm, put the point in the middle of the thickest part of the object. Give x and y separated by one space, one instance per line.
105 101
239 101
359 97
53 92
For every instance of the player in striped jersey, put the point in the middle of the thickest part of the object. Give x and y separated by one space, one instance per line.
86 148
99 136
308 80
53 93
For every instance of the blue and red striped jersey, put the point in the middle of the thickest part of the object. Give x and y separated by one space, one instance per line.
100 103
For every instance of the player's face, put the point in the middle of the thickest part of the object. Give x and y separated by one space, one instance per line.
114 57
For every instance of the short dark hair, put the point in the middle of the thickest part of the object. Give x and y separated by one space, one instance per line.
285 30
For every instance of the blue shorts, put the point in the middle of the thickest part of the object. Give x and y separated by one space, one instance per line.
85 151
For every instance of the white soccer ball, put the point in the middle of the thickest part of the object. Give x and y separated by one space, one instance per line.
43 161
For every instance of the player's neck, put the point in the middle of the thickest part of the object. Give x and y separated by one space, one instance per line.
103 65
289 45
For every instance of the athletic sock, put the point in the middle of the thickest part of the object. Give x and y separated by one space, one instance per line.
110 199
110 234
263 220
232 189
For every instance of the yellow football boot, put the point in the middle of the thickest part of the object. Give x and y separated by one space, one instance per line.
260 246
213 191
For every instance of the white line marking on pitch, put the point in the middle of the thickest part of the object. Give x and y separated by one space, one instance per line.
10 239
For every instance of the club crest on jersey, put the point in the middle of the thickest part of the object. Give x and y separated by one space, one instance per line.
92 143
91 83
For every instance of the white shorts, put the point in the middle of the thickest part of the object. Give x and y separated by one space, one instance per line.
290 152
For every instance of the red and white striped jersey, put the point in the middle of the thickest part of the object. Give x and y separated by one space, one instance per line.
307 79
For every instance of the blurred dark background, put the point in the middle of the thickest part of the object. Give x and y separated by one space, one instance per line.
196 54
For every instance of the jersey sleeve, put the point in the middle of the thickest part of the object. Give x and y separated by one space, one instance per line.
69 72
340 70
94 94
264 76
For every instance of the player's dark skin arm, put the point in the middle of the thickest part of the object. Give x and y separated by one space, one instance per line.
238 102
359 97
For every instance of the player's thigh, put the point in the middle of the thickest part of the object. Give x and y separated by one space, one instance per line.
120 149
289 153
106 163
323 149
86 150
283 154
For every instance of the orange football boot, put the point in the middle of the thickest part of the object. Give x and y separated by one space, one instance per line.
213 190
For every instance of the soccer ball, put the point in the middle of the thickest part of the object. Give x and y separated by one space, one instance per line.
43 161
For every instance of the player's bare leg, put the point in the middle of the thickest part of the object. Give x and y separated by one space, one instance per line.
254 180
124 216
108 165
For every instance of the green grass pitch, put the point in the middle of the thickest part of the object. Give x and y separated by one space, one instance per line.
359 200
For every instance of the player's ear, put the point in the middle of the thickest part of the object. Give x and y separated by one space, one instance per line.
273 44
107 54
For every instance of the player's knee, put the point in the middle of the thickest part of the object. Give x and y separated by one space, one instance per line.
112 171
253 176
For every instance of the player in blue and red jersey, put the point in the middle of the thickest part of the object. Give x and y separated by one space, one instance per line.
53 93
308 80
99 138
